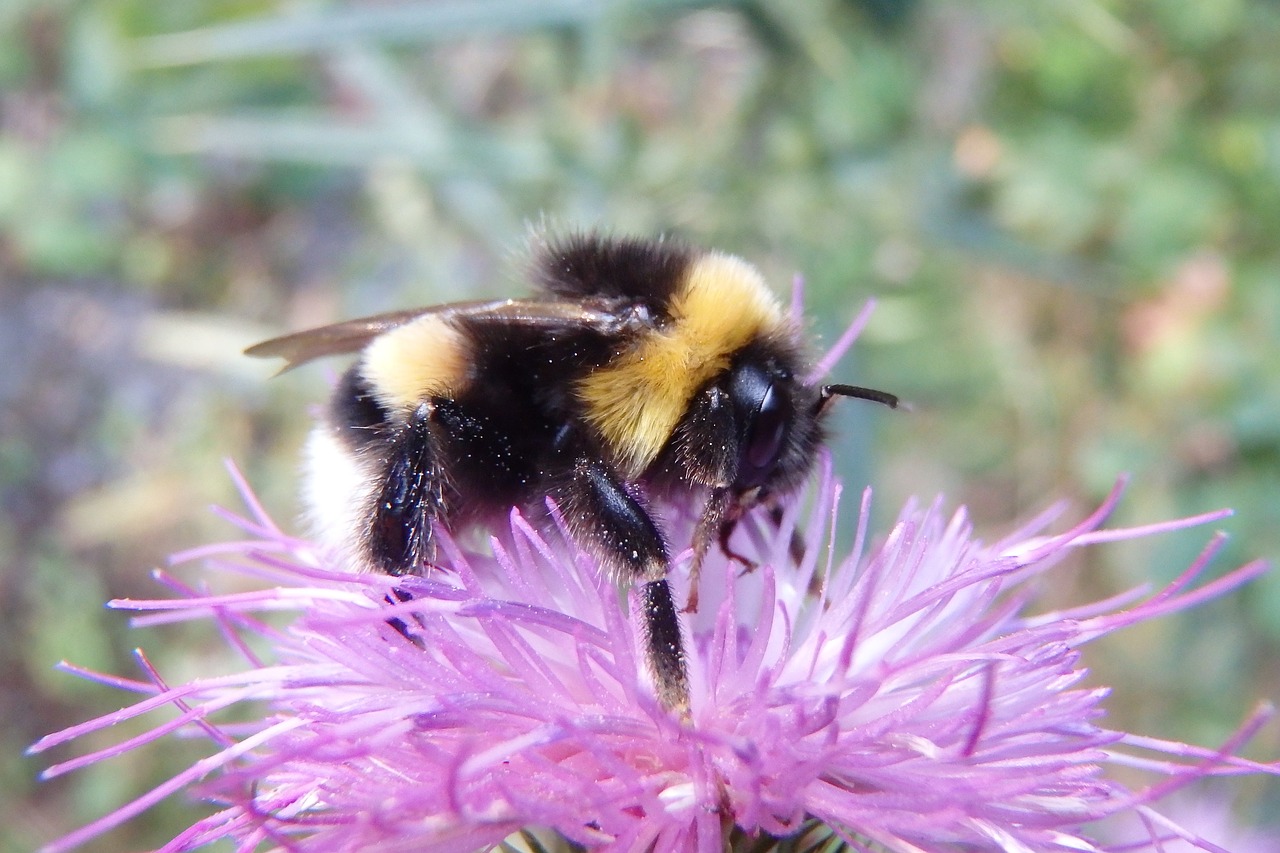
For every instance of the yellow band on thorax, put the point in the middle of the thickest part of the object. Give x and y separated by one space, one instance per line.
637 400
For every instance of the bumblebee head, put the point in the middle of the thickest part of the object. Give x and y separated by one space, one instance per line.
777 420
750 434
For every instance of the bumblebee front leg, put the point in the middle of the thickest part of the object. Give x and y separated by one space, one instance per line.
706 450
603 515
715 520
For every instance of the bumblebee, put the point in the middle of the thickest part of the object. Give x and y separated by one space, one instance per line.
642 370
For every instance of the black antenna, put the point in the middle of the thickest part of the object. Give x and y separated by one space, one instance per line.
882 397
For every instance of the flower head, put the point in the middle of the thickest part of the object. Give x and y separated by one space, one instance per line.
900 697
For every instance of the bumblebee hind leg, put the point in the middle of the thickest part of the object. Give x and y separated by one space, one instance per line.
407 498
373 487
400 490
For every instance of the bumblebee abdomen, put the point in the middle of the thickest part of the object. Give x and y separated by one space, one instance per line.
383 478
495 450
426 358
354 409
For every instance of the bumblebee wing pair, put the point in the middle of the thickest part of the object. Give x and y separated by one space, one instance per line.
353 335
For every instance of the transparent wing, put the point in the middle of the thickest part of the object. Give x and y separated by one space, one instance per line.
352 335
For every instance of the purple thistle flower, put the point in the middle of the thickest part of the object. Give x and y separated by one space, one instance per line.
900 697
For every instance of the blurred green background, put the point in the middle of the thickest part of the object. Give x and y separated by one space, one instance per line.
1069 213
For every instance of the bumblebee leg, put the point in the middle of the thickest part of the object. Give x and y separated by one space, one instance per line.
666 645
603 515
409 496
726 532
706 452
402 627
795 547
715 517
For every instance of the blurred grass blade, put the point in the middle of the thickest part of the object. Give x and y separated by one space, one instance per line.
320 140
406 22
465 167
316 139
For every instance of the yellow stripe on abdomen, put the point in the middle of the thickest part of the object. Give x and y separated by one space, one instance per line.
422 359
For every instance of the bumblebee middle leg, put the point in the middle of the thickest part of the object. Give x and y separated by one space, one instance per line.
606 517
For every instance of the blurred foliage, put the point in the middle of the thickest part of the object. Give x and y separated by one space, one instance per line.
1067 211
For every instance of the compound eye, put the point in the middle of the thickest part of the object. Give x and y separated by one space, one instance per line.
767 432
